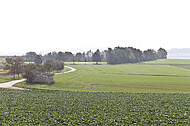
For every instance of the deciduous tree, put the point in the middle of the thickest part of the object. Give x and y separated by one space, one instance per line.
38 59
14 65
96 57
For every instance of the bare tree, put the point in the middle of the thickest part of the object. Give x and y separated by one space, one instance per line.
14 65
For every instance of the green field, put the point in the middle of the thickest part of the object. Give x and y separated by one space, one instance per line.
134 78
84 63
147 93
170 61
46 107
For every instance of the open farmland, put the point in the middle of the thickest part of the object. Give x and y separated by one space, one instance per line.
133 78
45 107
129 94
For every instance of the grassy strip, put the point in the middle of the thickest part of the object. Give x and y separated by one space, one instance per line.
4 79
84 63
170 61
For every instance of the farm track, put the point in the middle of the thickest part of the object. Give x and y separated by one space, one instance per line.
11 83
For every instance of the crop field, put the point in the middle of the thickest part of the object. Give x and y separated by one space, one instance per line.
130 94
134 78
47 107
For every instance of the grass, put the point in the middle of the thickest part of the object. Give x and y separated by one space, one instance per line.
133 78
170 61
45 107
6 78
84 63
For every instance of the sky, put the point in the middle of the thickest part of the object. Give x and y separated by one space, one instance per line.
67 25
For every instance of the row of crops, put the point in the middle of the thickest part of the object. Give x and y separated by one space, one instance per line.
46 107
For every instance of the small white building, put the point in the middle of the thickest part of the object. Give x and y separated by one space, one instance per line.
43 78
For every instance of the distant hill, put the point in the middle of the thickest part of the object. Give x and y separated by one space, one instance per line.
179 53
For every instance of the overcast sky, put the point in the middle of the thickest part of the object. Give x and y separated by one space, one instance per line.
64 25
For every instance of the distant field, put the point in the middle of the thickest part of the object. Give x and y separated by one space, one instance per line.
134 78
182 63
170 61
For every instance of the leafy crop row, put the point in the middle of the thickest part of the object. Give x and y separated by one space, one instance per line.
44 107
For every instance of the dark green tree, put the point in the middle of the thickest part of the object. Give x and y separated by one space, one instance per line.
78 57
149 55
29 71
89 56
58 65
110 56
162 53
29 57
48 66
38 59
60 56
96 57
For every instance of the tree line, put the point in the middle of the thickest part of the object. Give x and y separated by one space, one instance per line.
89 56
16 66
118 55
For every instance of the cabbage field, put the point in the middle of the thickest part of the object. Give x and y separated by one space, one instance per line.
45 107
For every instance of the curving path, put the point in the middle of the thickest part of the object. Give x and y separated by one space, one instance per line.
11 83
72 70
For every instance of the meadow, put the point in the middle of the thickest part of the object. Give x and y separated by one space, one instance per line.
160 76
170 62
147 93
47 107
84 63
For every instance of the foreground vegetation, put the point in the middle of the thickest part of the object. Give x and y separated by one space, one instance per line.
45 107
135 78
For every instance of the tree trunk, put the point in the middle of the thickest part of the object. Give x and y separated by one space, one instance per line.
14 76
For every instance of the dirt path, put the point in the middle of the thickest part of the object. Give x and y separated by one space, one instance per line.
11 83
72 70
